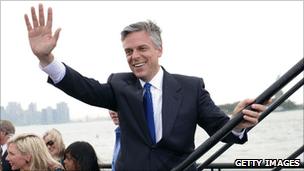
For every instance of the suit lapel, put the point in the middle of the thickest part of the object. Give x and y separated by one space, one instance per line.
136 105
172 97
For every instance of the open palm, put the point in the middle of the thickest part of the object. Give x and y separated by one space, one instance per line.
40 35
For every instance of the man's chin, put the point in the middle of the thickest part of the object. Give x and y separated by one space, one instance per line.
139 75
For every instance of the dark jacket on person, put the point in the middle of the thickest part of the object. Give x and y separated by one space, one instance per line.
185 103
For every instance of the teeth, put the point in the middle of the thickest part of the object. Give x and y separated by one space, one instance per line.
139 65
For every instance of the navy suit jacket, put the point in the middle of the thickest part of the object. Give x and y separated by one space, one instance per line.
185 104
5 164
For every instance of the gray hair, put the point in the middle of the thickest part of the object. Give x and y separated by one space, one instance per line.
148 26
7 127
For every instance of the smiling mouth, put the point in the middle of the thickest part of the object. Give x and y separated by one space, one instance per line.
139 64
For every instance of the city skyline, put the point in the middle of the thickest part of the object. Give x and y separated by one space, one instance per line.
20 116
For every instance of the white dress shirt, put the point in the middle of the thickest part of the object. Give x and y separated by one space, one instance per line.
4 148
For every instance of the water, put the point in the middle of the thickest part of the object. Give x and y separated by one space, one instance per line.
276 137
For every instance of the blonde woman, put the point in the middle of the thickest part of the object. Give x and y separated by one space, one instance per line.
54 143
28 152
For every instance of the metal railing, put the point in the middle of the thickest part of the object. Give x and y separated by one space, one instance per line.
264 114
226 129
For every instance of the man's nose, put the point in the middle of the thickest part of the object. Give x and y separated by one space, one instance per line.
135 54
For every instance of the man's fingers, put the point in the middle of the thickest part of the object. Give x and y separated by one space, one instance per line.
56 34
49 18
41 15
34 17
258 107
241 105
27 22
252 120
251 116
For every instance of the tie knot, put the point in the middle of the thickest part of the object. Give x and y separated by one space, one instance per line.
147 86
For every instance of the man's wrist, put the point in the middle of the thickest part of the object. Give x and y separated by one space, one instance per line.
45 61
239 130
239 133
56 70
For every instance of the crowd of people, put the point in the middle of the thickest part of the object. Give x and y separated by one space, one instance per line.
31 152
28 151
158 111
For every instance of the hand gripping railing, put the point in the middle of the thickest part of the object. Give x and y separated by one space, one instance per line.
227 128
263 115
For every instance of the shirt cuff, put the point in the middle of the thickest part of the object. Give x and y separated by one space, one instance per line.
239 134
56 71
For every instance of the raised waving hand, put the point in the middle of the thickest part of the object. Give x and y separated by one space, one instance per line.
40 35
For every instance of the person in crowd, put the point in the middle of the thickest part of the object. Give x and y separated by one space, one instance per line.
80 156
7 130
114 117
55 144
158 111
28 152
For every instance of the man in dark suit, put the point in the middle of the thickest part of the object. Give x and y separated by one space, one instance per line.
7 130
158 111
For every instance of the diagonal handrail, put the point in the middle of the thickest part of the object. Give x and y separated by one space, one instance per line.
262 98
263 115
292 156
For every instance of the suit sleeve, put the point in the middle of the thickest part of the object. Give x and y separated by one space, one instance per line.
211 118
87 90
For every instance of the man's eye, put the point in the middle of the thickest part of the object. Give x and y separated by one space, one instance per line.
142 48
128 52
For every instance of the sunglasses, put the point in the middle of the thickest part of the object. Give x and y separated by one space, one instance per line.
50 143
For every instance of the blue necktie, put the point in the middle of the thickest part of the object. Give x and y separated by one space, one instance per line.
116 147
149 111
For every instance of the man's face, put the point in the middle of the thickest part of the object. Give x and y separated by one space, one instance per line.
114 117
142 55
4 137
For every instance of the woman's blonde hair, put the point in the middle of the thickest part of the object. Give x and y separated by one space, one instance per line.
57 138
33 145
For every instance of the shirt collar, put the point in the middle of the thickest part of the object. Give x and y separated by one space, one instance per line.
4 148
157 80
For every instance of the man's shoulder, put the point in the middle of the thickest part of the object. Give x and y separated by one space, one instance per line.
123 75
191 82
181 76
187 78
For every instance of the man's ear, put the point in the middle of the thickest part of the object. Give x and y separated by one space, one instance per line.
160 51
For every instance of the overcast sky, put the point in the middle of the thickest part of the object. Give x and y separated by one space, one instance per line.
238 48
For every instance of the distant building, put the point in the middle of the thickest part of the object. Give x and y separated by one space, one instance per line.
18 116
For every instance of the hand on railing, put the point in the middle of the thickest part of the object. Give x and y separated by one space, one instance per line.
251 117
